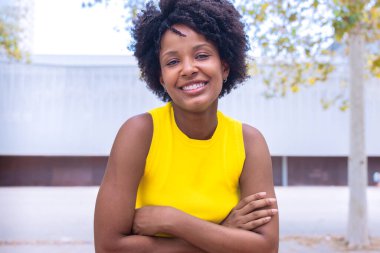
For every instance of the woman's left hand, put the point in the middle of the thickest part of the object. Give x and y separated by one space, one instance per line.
251 212
151 220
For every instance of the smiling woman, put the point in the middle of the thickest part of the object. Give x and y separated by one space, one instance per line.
184 177
64 27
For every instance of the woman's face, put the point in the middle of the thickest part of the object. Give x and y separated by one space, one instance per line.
191 69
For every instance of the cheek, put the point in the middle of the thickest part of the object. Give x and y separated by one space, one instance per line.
164 77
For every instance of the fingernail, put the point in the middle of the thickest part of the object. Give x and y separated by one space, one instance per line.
274 211
262 194
272 200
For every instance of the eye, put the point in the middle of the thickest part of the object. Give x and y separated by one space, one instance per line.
202 56
172 62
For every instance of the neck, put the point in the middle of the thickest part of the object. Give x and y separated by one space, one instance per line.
197 125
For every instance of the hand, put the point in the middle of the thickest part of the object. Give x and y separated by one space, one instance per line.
249 213
151 220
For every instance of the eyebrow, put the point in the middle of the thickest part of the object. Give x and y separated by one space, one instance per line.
194 49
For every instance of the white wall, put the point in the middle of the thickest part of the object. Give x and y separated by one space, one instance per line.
75 105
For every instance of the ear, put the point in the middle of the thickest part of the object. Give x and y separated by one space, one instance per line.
225 70
162 82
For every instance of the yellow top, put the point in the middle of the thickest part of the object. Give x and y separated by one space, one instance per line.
199 177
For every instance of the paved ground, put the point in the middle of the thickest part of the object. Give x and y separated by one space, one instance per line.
59 219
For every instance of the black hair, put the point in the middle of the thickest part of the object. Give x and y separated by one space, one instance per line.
217 20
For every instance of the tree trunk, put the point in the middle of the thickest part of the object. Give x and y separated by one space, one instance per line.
357 229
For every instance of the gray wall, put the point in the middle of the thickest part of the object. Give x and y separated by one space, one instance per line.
61 105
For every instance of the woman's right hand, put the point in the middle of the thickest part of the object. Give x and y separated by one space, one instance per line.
251 212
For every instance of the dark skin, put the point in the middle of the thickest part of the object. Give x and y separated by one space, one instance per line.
252 226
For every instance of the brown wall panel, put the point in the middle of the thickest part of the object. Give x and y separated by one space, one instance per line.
86 171
277 170
317 170
373 166
49 171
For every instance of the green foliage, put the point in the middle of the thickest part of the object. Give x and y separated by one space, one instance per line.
10 34
9 41
294 42
293 39
298 40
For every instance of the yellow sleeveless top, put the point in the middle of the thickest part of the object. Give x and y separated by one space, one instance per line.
199 177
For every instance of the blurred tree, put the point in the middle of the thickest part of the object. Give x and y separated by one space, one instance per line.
11 32
298 42
299 39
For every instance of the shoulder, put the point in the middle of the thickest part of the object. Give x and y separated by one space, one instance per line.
256 150
136 133
252 136
141 124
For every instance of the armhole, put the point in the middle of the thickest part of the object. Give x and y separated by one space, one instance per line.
237 128
241 140
238 149
154 142
241 147
244 131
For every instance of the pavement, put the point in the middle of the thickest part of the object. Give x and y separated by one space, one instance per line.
60 219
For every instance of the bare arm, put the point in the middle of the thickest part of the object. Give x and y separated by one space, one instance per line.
257 176
115 204
210 237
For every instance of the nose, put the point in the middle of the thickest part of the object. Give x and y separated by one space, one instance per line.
189 68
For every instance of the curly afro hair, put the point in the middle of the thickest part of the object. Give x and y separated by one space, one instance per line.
217 20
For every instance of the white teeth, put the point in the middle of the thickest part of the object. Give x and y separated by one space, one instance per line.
193 86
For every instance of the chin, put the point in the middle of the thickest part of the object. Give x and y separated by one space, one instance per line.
199 105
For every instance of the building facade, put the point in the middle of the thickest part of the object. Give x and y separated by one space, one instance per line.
59 116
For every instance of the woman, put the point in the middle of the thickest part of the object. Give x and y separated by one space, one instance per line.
184 177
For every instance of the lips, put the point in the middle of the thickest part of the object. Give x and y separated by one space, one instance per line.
194 86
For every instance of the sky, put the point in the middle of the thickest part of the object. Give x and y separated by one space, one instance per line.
64 27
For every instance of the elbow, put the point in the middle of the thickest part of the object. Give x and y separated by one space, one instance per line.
105 243
272 249
264 244
123 244
270 245
267 239
106 248
113 246
113 249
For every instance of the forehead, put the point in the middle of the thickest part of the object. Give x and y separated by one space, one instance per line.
187 38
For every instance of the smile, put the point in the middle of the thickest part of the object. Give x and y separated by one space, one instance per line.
193 86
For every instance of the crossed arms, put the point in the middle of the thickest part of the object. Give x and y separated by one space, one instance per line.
252 226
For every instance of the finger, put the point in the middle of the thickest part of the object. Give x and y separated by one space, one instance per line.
257 204
135 230
250 198
256 223
255 215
